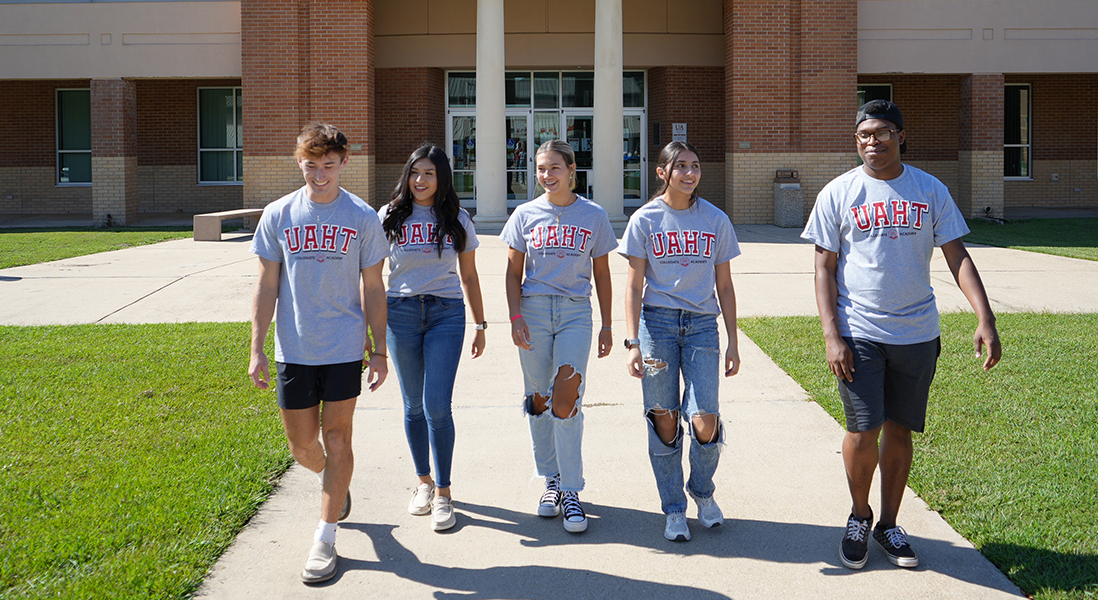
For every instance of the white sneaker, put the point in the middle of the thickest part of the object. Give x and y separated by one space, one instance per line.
550 500
709 514
321 564
420 504
677 530
442 513
575 521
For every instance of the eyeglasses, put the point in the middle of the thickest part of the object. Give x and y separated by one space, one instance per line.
882 135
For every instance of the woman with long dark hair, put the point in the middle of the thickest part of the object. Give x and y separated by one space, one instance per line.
678 246
432 257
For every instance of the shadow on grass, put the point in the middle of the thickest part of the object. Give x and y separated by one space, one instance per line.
1038 569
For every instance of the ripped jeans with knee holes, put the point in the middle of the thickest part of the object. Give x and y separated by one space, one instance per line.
560 333
674 342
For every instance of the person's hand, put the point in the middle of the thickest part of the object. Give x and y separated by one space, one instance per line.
731 361
635 363
987 336
840 358
478 343
378 370
606 342
258 370
520 334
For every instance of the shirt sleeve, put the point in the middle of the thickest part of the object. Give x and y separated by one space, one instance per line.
374 247
265 242
471 240
634 242
512 232
823 228
728 247
949 223
606 241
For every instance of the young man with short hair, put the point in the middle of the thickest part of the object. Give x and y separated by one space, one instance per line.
875 228
315 245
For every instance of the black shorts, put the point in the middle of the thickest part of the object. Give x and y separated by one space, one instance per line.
891 383
305 386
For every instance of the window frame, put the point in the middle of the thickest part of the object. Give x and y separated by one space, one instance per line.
57 139
238 91
1029 134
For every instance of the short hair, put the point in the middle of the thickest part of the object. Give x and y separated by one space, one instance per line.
317 139
564 149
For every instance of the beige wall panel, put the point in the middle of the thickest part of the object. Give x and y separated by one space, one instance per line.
644 16
642 50
977 36
556 50
443 51
695 16
571 16
524 16
400 17
452 16
120 39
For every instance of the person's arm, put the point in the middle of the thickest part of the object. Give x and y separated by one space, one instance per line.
516 264
840 358
376 311
467 267
968 279
634 291
263 309
604 289
726 297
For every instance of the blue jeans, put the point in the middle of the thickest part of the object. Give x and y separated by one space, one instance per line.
674 341
560 332
427 330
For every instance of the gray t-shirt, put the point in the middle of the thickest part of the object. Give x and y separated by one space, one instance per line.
682 248
885 233
558 254
414 265
322 249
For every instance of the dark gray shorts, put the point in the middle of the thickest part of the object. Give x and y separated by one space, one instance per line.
305 386
891 383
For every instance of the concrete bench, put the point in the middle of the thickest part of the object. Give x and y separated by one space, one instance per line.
207 227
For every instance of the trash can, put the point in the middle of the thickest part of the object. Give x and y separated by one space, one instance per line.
788 199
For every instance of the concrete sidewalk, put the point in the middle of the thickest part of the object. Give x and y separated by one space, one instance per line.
780 482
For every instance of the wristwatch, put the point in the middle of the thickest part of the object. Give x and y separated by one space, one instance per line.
482 326
630 342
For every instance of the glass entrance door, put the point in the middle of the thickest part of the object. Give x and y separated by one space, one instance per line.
518 159
579 131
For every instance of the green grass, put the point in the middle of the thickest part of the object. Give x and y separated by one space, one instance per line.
30 246
1074 238
131 457
1010 456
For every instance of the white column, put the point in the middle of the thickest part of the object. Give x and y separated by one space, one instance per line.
491 170
607 141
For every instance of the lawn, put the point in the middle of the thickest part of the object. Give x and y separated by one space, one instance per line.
1010 456
131 457
30 246
1074 238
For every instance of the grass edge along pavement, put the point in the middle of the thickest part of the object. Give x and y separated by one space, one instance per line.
1008 457
1073 238
132 456
27 246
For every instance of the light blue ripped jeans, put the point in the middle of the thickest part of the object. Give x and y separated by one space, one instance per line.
674 341
560 333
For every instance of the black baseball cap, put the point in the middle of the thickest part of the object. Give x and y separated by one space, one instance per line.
884 110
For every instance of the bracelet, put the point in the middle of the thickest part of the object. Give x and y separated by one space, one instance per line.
373 354
515 317
608 329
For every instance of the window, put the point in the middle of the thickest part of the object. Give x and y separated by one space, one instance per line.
220 139
1017 117
874 91
74 137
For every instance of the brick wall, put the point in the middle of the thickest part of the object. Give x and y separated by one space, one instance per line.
929 105
411 104
695 96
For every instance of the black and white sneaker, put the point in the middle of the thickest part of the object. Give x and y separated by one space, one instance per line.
893 540
550 500
575 521
854 549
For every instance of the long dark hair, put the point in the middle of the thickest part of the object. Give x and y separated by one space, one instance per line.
666 160
447 204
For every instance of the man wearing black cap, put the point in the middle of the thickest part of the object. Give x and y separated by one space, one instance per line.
875 228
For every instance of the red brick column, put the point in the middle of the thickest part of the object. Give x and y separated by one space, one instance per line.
413 101
980 155
303 61
114 151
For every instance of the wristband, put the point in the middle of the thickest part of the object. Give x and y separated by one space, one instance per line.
608 329
515 317
373 354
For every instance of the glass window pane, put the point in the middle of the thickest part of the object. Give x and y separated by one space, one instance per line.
216 116
579 89
516 88
546 127
216 166
632 89
464 143
240 166
1016 162
580 132
74 167
74 120
631 142
546 90
516 142
1016 115
871 91
632 180
239 119
463 184
462 89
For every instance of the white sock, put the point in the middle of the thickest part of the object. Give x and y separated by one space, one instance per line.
325 532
